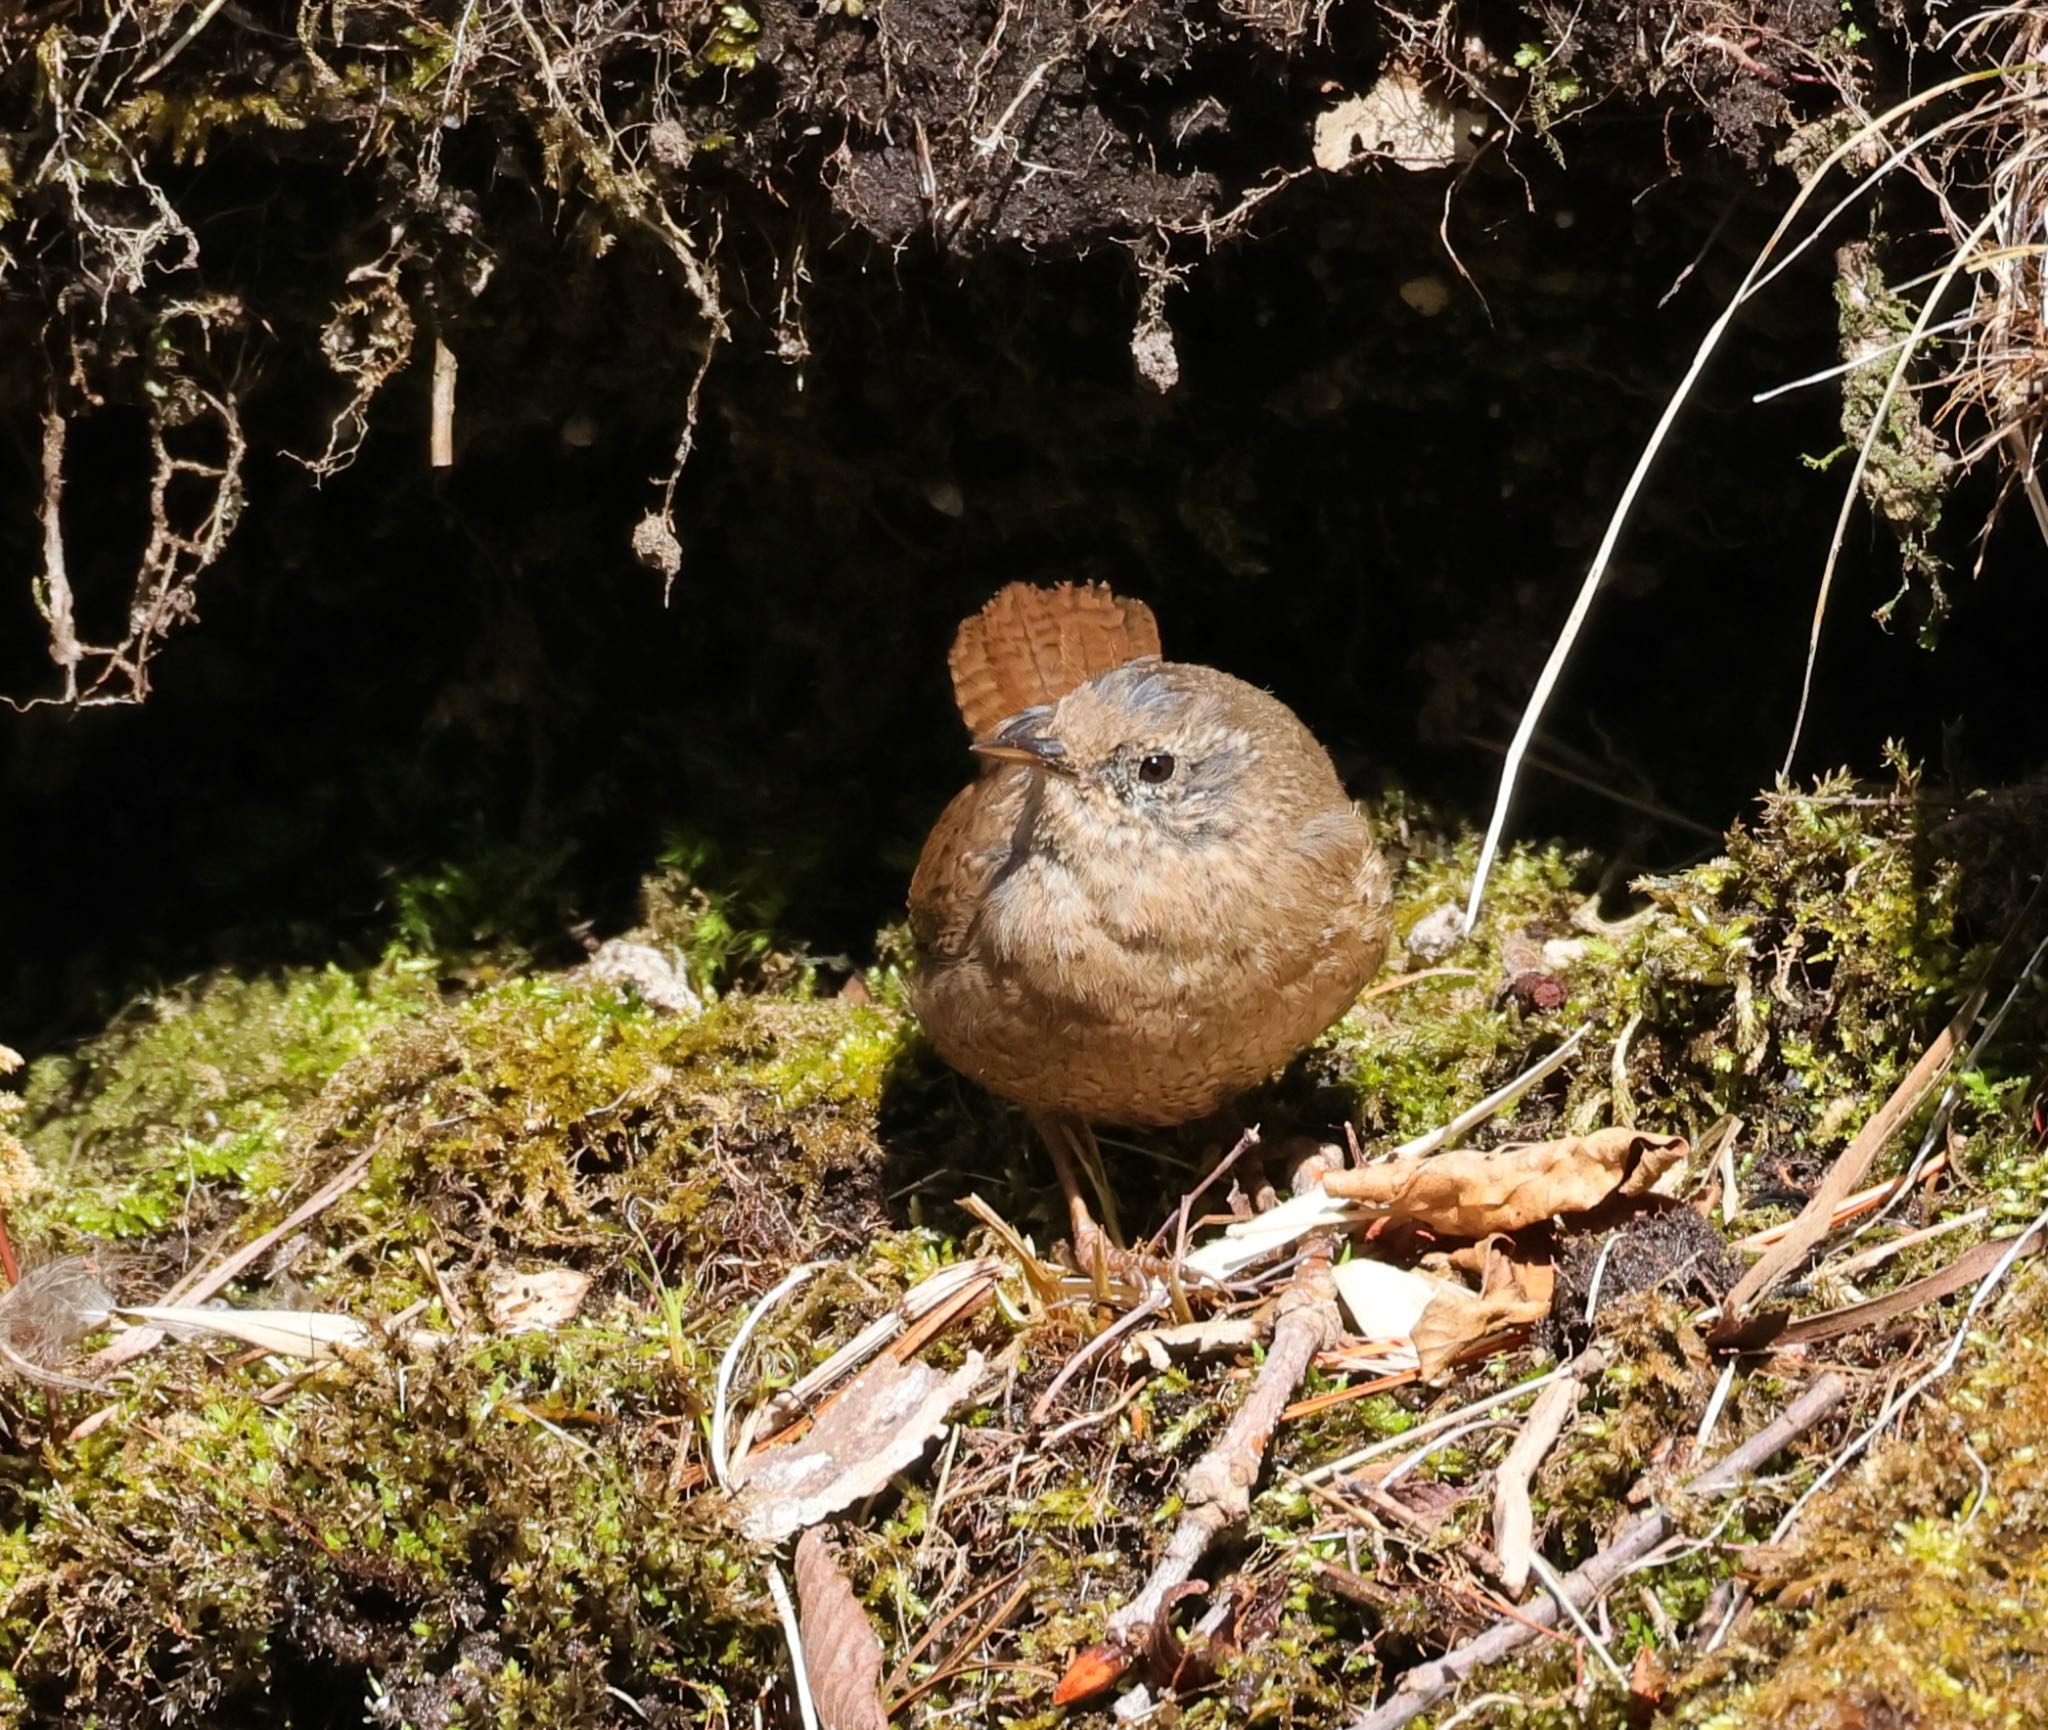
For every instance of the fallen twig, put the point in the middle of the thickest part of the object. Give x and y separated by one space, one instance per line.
1514 1519
1218 1492
1426 1684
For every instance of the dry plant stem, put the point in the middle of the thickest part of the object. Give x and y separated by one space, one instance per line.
927 1298
1752 283
1426 1684
1514 1518
441 436
1963 255
1851 1207
196 1288
792 1639
1218 1493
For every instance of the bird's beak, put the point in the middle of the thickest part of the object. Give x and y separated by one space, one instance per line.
1023 739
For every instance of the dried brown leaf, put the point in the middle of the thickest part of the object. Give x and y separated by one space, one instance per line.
841 1653
1470 1194
880 1423
1457 1318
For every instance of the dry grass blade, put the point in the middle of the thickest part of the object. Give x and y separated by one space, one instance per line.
1817 1217
842 1656
1757 278
956 1662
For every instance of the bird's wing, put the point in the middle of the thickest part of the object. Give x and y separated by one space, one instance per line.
1030 646
973 840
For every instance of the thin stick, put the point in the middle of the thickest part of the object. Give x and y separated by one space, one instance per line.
1426 1684
441 433
1514 1516
1563 1599
1498 1100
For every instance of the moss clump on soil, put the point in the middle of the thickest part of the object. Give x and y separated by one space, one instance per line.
1914 1591
508 1525
1790 981
1906 475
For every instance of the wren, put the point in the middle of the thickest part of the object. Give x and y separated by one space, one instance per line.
1157 891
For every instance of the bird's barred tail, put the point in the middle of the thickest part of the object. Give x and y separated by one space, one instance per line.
1031 645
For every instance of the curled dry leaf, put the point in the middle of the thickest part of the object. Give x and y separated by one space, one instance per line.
841 1654
883 1420
1470 1194
1438 1316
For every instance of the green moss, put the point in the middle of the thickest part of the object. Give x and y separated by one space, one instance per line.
191 1095
1907 472
1917 1585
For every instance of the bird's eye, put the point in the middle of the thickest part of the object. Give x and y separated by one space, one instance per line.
1156 768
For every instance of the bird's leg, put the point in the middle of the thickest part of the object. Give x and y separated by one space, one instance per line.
1073 1148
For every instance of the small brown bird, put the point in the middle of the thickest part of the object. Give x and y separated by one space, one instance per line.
1156 893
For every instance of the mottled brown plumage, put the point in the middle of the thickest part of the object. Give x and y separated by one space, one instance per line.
1156 893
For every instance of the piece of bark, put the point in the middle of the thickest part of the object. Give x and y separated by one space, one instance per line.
1514 1517
881 1423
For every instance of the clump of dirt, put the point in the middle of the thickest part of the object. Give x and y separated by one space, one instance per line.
1674 1250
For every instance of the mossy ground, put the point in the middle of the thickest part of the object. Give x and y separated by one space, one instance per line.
515 1528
